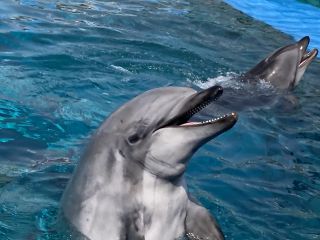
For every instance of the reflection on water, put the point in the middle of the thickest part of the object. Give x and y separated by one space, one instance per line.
65 65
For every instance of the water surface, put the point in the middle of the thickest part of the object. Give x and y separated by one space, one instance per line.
66 65
294 17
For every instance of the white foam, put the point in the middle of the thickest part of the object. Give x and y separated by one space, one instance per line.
120 69
263 84
225 81
230 81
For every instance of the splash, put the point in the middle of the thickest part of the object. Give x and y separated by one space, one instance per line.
232 80
224 81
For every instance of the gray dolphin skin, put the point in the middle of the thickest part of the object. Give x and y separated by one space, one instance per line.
282 70
284 67
130 184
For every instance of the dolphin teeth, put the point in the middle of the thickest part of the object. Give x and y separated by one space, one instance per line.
199 108
214 119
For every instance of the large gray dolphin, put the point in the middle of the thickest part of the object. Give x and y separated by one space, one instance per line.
284 67
130 184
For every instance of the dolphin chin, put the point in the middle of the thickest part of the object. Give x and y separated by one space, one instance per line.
284 67
130 184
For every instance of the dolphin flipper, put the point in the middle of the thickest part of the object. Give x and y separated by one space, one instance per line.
200 224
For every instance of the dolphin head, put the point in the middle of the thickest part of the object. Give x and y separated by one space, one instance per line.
284 67
154 127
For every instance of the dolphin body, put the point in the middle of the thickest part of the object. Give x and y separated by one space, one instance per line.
269 83
130 184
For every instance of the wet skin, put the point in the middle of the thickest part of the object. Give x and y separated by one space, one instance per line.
130 182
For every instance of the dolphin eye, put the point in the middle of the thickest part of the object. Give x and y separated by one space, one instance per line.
133 138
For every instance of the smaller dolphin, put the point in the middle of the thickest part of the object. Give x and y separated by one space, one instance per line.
282 70
130 184
284 67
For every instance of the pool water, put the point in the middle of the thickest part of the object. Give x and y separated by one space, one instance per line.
66 65
294 17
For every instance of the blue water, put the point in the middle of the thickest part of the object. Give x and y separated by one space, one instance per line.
293 17
66 65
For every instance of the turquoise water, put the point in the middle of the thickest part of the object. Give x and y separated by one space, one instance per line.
66 65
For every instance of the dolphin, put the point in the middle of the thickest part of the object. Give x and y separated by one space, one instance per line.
269 83
284 67
130 184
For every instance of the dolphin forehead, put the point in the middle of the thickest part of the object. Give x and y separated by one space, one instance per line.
151 109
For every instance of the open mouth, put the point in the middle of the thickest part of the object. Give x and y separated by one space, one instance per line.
199 102
307 57
211 121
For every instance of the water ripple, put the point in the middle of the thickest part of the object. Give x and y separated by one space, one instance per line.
66 65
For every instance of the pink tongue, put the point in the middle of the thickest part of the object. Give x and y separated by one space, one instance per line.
189 123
